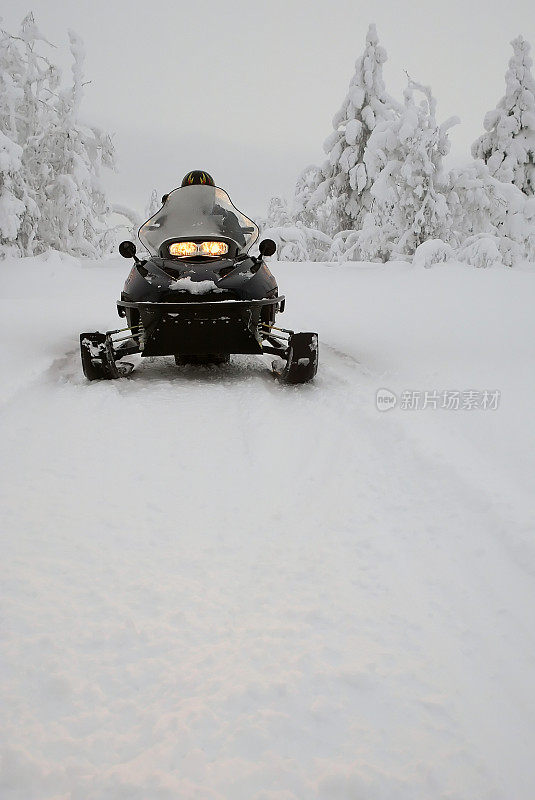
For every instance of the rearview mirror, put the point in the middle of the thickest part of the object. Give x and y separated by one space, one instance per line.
127 249
267 247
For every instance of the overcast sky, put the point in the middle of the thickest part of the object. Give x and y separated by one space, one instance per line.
247 90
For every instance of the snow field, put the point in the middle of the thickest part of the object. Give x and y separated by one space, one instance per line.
216 586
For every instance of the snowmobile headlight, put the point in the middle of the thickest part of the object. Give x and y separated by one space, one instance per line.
183 249
213 248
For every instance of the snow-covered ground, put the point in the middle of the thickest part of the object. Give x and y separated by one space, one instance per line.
215 586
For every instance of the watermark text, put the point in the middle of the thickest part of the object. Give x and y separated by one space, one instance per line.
445 399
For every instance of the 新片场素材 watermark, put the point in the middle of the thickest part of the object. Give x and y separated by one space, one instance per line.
446 399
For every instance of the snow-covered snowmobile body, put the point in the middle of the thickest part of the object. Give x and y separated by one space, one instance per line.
185 301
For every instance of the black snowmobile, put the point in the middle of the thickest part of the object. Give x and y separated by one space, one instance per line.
199 296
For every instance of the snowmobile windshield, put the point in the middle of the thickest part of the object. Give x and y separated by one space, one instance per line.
198 212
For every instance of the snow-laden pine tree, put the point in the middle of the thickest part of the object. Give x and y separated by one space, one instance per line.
61 158
336 196
508 146
153 205
75 219
12 205
492 222
27 82
294 240
404 164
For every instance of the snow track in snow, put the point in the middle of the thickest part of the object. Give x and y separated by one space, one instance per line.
218 586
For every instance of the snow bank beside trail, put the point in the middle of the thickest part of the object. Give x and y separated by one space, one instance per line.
217 587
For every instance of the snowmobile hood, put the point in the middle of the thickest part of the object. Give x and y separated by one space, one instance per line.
197 212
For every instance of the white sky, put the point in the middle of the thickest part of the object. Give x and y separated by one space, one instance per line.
247 90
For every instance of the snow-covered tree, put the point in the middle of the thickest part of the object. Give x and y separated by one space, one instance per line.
278 213
295 241
404 164
153 205
491 221
508 146
298 242
58 180
336 196
12 205
74 198
27 80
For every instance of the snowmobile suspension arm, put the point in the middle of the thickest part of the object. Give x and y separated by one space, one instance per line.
274 328
112 340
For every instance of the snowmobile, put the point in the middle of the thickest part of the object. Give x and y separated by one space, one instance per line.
198 295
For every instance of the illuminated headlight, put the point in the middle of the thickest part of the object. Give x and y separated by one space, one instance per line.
185 249
213 248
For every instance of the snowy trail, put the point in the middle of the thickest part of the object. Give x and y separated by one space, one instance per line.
216 586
